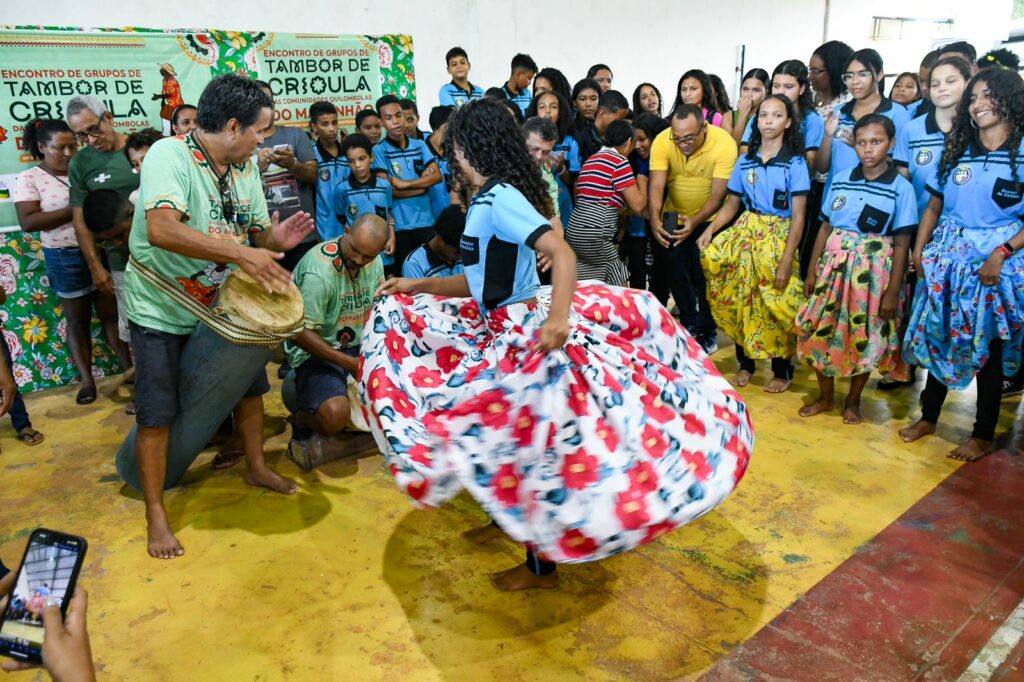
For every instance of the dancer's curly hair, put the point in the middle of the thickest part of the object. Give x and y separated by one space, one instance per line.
792 138
493 144
1007 93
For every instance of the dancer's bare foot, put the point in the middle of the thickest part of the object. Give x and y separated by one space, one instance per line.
778 385
917 431
852 415
740 378
522 578
161 543
269 479
971 451
817 407
485 534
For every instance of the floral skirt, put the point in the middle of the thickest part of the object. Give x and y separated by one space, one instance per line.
956 317
740 266
839 331
626 433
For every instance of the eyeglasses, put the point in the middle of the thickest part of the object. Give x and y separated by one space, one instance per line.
687 140
91 133
850 76
816 72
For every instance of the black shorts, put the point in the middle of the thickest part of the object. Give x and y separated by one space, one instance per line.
157 360
317 381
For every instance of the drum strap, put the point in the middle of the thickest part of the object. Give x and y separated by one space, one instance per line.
233 329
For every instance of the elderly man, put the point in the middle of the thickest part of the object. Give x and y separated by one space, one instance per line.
694 160
101 164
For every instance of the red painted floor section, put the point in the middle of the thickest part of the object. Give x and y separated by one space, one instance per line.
916 603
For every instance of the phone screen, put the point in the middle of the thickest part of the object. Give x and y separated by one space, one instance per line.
49 570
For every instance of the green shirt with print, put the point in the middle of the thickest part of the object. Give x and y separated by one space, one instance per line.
91 170
549 179
335 302
178 176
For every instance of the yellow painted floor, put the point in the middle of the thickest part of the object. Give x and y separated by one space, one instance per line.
346 581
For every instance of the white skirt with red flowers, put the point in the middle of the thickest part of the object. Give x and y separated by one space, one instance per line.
626 433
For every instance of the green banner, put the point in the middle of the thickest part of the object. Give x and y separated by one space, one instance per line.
140 74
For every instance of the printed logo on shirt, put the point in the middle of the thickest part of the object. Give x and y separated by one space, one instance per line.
101 178
396 168
962 175
325 174
844 133
839 202
924 157
752 177
352 210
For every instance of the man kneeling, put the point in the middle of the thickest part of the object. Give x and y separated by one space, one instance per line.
338 279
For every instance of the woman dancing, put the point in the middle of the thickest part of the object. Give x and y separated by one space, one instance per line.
586 423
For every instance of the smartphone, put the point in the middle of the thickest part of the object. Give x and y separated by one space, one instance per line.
279 148
49 568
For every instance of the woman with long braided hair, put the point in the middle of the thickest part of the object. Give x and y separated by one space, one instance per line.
586 422
968 317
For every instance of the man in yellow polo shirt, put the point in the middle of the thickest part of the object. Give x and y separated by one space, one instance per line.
694 161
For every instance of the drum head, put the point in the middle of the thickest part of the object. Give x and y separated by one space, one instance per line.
277 313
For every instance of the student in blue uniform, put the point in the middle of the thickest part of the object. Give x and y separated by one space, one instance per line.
363 192
924 79
968 318
918 149
865 78
636 244
517 88
849 325
460 90
440 194
412 170
771 182
440 257
331 166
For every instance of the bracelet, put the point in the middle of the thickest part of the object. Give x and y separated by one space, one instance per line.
1006 251
1009 247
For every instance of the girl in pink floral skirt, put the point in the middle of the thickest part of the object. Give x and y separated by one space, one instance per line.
849 325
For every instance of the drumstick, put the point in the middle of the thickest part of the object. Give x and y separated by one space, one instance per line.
110 388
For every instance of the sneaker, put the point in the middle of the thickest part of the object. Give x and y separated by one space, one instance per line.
709 344
1012 388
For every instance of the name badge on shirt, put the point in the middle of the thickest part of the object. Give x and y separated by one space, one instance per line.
470 247
1006 193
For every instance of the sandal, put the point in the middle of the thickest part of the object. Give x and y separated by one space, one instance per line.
30 436
226 460
86 395
130 408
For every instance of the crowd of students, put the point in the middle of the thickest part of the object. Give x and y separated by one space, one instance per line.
817 222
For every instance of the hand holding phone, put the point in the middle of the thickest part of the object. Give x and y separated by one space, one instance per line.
41 593
67 655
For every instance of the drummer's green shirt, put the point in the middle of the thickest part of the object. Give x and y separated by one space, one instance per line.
336 303
176 175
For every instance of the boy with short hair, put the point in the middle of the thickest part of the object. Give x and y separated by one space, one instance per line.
460 90
411 170
442 255
362 192
108 215
369 124
331 165
411 114
517 88
611 106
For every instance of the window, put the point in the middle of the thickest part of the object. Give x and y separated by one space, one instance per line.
902 28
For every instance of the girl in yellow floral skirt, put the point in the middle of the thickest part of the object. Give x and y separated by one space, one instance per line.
753 284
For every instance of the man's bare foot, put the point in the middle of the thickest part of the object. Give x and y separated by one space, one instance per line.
740 378
162 543
269 479
778 385
817 407
917 431
522 578
485 534
852 415
971 451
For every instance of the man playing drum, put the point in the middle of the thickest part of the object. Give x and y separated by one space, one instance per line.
201 211
337 279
